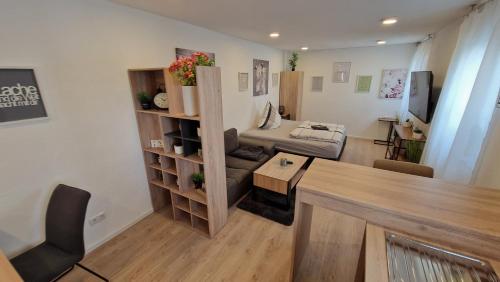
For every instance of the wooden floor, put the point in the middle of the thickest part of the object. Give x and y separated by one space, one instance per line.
249 248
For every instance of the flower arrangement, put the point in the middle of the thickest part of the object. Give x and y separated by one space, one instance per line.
184 68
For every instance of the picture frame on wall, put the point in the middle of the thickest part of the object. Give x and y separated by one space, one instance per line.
341 72
317 84
363 83
275 79
393 83
260 77
243 81
20 96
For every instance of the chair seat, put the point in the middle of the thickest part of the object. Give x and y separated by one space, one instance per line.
43 263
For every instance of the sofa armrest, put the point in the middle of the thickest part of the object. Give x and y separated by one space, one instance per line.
267 145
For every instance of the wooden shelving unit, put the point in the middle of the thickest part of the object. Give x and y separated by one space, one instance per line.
169 174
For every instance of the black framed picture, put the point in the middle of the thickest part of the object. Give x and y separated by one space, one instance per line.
260 77
20 96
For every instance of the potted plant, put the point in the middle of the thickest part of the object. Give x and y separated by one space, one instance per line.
414 151
407 123
417 133
293 61
144 99
198 180
184 69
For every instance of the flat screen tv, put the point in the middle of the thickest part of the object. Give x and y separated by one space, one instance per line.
423 98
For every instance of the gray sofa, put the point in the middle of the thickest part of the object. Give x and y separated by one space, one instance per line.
239 172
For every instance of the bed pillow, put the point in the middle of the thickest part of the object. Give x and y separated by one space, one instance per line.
270 118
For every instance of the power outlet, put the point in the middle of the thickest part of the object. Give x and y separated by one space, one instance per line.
98 218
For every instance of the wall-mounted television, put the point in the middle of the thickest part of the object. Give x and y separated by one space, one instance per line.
423 98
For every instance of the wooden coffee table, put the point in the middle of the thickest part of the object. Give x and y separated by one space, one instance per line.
272 176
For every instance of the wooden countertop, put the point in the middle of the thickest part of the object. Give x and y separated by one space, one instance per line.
430 204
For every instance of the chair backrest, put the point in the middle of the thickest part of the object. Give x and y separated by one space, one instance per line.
405 167
65 219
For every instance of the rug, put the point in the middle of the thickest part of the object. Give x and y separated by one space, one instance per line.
270 205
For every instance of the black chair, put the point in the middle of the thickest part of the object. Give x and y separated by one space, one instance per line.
63 247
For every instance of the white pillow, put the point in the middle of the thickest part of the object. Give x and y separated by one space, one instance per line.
270 118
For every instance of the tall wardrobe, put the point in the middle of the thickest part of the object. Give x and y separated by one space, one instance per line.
291 88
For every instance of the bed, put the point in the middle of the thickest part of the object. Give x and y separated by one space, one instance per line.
281 137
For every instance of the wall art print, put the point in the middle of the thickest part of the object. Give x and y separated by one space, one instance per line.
20 96
393 83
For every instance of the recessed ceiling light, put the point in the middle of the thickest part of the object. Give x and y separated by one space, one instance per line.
305 48
274 35
381 42
389 21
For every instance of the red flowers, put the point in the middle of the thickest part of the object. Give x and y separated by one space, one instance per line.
184 68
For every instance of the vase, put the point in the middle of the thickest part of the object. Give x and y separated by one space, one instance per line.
146 106
179 149
190 99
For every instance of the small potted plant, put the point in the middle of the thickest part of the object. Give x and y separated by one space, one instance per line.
184 69
198 180
144 99
293 61
407 123
417 133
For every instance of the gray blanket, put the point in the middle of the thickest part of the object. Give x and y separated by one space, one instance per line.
281 136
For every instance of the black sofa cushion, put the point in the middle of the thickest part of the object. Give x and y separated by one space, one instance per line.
43 263
231 140
234 162
252 153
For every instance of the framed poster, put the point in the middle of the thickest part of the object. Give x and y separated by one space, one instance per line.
393 83
20 96
341 72
181 52
275 79
317 84
260 77
363 83
242 81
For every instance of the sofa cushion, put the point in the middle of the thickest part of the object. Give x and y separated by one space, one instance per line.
230 140
236 174
233 162
252 153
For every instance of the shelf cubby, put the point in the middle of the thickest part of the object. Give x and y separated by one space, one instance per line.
181 202
199 210
200 224
182 216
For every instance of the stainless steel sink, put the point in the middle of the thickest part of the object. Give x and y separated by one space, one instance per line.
414 261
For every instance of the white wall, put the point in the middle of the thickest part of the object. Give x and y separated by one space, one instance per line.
443 46
338 103
82 50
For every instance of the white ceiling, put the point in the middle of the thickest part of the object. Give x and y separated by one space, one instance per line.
319 24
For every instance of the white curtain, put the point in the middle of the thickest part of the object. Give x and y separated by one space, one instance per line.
467 101
418 63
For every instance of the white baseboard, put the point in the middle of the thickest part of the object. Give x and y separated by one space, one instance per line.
117 232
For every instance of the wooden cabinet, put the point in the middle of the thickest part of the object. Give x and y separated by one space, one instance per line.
169 174
291 88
